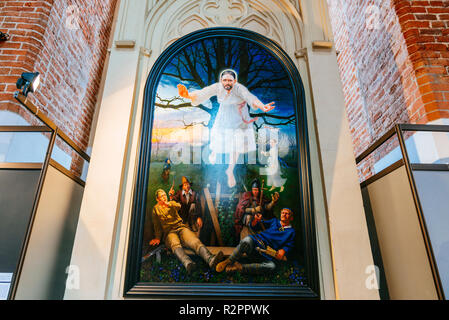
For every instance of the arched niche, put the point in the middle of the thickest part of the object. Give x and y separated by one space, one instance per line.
280 21
305 241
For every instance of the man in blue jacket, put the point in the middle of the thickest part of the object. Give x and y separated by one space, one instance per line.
274 243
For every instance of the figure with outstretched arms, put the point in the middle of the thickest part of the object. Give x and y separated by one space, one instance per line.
232 132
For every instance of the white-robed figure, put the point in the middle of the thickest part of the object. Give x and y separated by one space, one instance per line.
278 146
232 132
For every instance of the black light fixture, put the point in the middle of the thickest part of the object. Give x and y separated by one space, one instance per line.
29 81
4 36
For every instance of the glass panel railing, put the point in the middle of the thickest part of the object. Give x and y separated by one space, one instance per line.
381 158
426 157
5 284
433 188
23 147
19 117
69 159
427 147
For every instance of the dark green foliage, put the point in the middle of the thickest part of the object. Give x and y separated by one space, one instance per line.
170 270
226 209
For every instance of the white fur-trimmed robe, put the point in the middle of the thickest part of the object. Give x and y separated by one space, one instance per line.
229 132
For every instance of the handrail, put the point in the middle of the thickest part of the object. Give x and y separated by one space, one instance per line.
402 127
375 145
424 127
21 165
36 111
24 129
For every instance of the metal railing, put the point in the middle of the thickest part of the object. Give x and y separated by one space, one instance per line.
54 132
398 131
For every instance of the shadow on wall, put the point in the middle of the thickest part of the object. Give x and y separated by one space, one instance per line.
379 73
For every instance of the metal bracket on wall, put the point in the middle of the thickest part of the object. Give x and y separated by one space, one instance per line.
322 45
301 53
4 36
125 44
146 52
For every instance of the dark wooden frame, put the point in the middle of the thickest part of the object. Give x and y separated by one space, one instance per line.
133 288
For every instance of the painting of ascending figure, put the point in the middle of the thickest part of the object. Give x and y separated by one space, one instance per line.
232 118
226 208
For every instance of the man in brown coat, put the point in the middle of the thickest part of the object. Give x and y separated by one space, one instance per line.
190 211
168 227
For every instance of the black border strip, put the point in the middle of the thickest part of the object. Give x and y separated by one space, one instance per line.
429 167
424 127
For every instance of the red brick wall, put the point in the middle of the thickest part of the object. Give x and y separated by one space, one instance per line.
393 64
25 22
425 25
68 48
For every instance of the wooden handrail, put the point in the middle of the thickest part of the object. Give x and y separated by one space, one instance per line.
35 111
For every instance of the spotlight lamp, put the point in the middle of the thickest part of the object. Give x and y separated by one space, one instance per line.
29 81
4 36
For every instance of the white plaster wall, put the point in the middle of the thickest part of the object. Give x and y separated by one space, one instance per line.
101 241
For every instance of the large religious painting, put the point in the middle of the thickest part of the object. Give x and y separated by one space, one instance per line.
223 198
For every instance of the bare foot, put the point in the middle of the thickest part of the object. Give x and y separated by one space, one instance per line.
212 158
231 179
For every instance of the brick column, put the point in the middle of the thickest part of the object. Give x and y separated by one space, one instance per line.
425 25
25 22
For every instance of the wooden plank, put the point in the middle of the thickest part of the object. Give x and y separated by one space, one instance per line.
227 251
203 205
203 210
213 239
217 195
213 214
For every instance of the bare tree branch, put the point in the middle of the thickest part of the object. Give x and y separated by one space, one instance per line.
188 125
168 104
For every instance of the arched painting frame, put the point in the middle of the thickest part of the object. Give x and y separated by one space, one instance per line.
135 285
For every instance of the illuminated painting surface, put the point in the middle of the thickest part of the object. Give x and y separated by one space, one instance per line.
224 141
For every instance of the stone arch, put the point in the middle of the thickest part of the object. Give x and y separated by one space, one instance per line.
278 20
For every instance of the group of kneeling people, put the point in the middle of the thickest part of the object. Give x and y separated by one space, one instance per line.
268 240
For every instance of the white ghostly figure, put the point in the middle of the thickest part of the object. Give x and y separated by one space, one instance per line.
232 132
277 147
